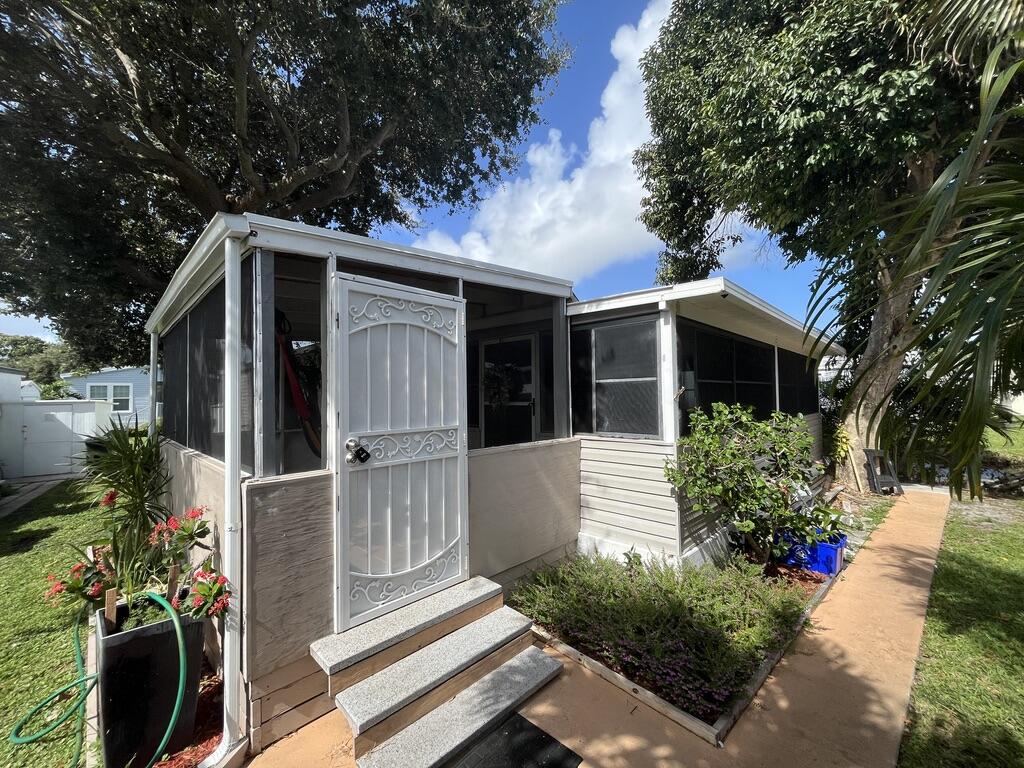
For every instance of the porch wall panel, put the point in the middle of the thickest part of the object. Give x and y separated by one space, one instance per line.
524 506
288 568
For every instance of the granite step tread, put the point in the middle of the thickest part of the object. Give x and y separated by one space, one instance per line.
368 702
439 735
336 652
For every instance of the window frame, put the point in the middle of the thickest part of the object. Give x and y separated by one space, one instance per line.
109 397
683 322
591 327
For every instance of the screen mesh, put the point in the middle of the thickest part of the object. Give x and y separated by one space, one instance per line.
206 374
627 407
174 345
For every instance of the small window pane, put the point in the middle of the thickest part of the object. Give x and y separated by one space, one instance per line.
174 395
626 351
121 397
754 362
714 357
798 384
713 392
582 382
97 392
627 407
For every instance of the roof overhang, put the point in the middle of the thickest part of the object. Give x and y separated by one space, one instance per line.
717 302
205 260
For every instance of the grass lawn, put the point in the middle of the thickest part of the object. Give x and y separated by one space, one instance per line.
1011 449
968 697
36 637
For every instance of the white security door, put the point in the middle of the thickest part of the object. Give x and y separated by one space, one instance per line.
401 448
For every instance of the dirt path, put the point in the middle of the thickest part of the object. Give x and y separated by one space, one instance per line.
839 697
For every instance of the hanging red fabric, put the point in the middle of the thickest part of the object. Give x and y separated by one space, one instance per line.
298 398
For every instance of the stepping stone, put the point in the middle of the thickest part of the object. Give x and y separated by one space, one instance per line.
336 652
368 702
440 735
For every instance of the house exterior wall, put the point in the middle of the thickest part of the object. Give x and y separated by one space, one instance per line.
815 426
625 500
524 503
138 378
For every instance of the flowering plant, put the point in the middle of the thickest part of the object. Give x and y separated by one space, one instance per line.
208 595
133 567
86 580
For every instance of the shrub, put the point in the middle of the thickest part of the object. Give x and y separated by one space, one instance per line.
747 473
693 635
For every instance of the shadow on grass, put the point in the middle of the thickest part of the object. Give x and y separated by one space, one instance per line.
962 746
19 542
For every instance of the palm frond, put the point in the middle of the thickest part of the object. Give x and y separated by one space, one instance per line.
961 28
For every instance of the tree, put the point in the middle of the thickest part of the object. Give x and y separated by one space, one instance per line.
963 242
42 361
349 115
806 120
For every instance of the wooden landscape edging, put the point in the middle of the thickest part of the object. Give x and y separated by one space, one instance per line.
713 734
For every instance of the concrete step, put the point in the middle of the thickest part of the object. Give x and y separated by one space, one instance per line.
383 694
442 733
339 652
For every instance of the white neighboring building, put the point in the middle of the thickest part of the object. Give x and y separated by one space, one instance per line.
29 390
10 384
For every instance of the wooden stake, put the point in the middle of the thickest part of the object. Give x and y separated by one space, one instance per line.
172 581
110 607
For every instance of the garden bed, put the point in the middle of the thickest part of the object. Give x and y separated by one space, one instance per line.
696 639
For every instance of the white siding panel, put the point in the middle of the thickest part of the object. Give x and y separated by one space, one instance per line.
814 424
625 500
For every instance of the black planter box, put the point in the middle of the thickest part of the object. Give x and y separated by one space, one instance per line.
138 684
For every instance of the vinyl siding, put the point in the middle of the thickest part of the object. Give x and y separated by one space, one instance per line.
625 500
138 378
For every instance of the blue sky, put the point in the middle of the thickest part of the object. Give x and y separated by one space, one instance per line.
571 208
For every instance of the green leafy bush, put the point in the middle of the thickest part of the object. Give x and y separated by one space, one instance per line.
747 472
692 635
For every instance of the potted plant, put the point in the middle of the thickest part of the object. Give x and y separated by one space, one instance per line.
138 654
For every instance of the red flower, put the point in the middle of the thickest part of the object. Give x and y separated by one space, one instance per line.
198 600
154 535
222 580
219 605
77 568
95 590
109 499
195 513
175 603
55 589
174 523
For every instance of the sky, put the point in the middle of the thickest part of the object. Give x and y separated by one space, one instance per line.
571 209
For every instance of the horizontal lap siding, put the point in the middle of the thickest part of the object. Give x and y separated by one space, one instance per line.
814 425
624 496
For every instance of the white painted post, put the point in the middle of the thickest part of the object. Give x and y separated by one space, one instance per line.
668 374
154 351
231 549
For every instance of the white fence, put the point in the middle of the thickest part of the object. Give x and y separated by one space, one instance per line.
44 437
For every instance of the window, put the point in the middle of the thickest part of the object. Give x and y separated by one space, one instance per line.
615 379
798 383
718 367
118 395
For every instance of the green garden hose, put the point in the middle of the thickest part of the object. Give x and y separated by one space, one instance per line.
85 683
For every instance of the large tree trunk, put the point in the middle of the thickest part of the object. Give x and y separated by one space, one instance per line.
875 378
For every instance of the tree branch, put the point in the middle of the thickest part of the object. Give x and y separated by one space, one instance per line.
341 185
242 55
291 145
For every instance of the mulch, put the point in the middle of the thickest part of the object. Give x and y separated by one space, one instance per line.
209 723
807 581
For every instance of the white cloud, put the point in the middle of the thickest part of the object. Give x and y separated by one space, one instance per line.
573 223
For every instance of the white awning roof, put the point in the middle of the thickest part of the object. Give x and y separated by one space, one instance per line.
717 302
205 261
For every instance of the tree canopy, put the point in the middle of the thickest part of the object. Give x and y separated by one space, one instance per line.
802 118
42 361
126 125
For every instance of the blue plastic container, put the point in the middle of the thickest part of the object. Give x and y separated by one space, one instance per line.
819 556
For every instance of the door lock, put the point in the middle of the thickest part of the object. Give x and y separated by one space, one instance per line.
357 454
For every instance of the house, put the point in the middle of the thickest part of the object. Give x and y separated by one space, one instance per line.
29 390
126 389
380 431
10 384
